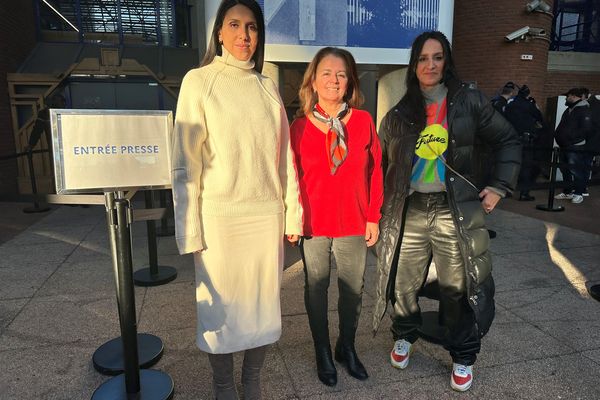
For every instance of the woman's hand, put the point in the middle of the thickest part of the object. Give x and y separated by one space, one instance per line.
372 233
293 239
489 199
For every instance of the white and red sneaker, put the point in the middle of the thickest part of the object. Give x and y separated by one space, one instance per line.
400 354
462 377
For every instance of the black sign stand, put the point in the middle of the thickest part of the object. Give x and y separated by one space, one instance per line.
133 383
155 274
550 205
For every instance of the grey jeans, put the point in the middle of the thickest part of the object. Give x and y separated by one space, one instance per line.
350 254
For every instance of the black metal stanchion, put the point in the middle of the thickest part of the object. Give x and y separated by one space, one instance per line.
109 358
550 206
155 274
165 229
36 205
133 383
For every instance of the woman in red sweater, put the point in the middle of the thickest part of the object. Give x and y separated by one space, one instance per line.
339 167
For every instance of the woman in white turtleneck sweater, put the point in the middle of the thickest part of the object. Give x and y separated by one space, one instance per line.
234 181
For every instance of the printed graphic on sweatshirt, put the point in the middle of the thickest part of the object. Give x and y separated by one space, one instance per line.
432 142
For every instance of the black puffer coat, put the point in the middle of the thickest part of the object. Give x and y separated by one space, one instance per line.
472 121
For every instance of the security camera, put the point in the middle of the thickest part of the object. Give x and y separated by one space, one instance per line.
518 34
538 5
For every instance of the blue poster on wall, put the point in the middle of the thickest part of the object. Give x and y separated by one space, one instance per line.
389 24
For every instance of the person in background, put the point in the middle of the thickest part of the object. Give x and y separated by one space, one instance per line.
339 167
434 211
572 135
235 193
527 119
506 93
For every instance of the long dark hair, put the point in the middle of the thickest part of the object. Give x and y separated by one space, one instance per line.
413 100
308 97
215 48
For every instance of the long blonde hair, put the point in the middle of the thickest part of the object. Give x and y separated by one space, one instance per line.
308 97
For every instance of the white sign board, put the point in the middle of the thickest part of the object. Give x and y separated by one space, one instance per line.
110 150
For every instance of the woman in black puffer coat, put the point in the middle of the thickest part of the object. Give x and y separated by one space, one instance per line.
434 205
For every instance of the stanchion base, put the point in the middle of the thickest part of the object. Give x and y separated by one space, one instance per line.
544 207
165 232
431 330
164 274
108 358
594 291
154 385
32 210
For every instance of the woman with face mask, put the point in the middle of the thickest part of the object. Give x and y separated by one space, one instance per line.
234 180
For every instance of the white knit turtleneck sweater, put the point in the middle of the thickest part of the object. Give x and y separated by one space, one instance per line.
231 152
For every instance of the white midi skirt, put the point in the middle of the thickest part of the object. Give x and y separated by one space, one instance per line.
238 281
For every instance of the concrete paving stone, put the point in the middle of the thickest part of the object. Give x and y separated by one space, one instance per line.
24 281
593 355
93 276
577 334
504 316
8 310
513 274
564 377
504 344
34 256
65 319
86 252
562 303
56 372
43 236
557 266
568 237
517 244
169 309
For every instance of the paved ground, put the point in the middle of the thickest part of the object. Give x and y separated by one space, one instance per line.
57 305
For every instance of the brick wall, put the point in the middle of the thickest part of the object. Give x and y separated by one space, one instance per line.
559 82
482 54
17 39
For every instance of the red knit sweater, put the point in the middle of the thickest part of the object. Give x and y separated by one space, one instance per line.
340 204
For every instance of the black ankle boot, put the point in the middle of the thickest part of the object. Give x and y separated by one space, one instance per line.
325 366
346 354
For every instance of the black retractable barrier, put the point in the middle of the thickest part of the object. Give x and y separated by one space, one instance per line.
550 205
108 359
133 383
165 229
36 205
155 274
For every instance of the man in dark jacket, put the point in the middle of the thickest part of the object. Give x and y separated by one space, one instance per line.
572 135
528 121
500 101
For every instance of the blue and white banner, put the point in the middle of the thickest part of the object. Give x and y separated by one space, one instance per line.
375 31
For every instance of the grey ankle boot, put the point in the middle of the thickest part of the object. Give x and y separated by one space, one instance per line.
223 384
253 362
